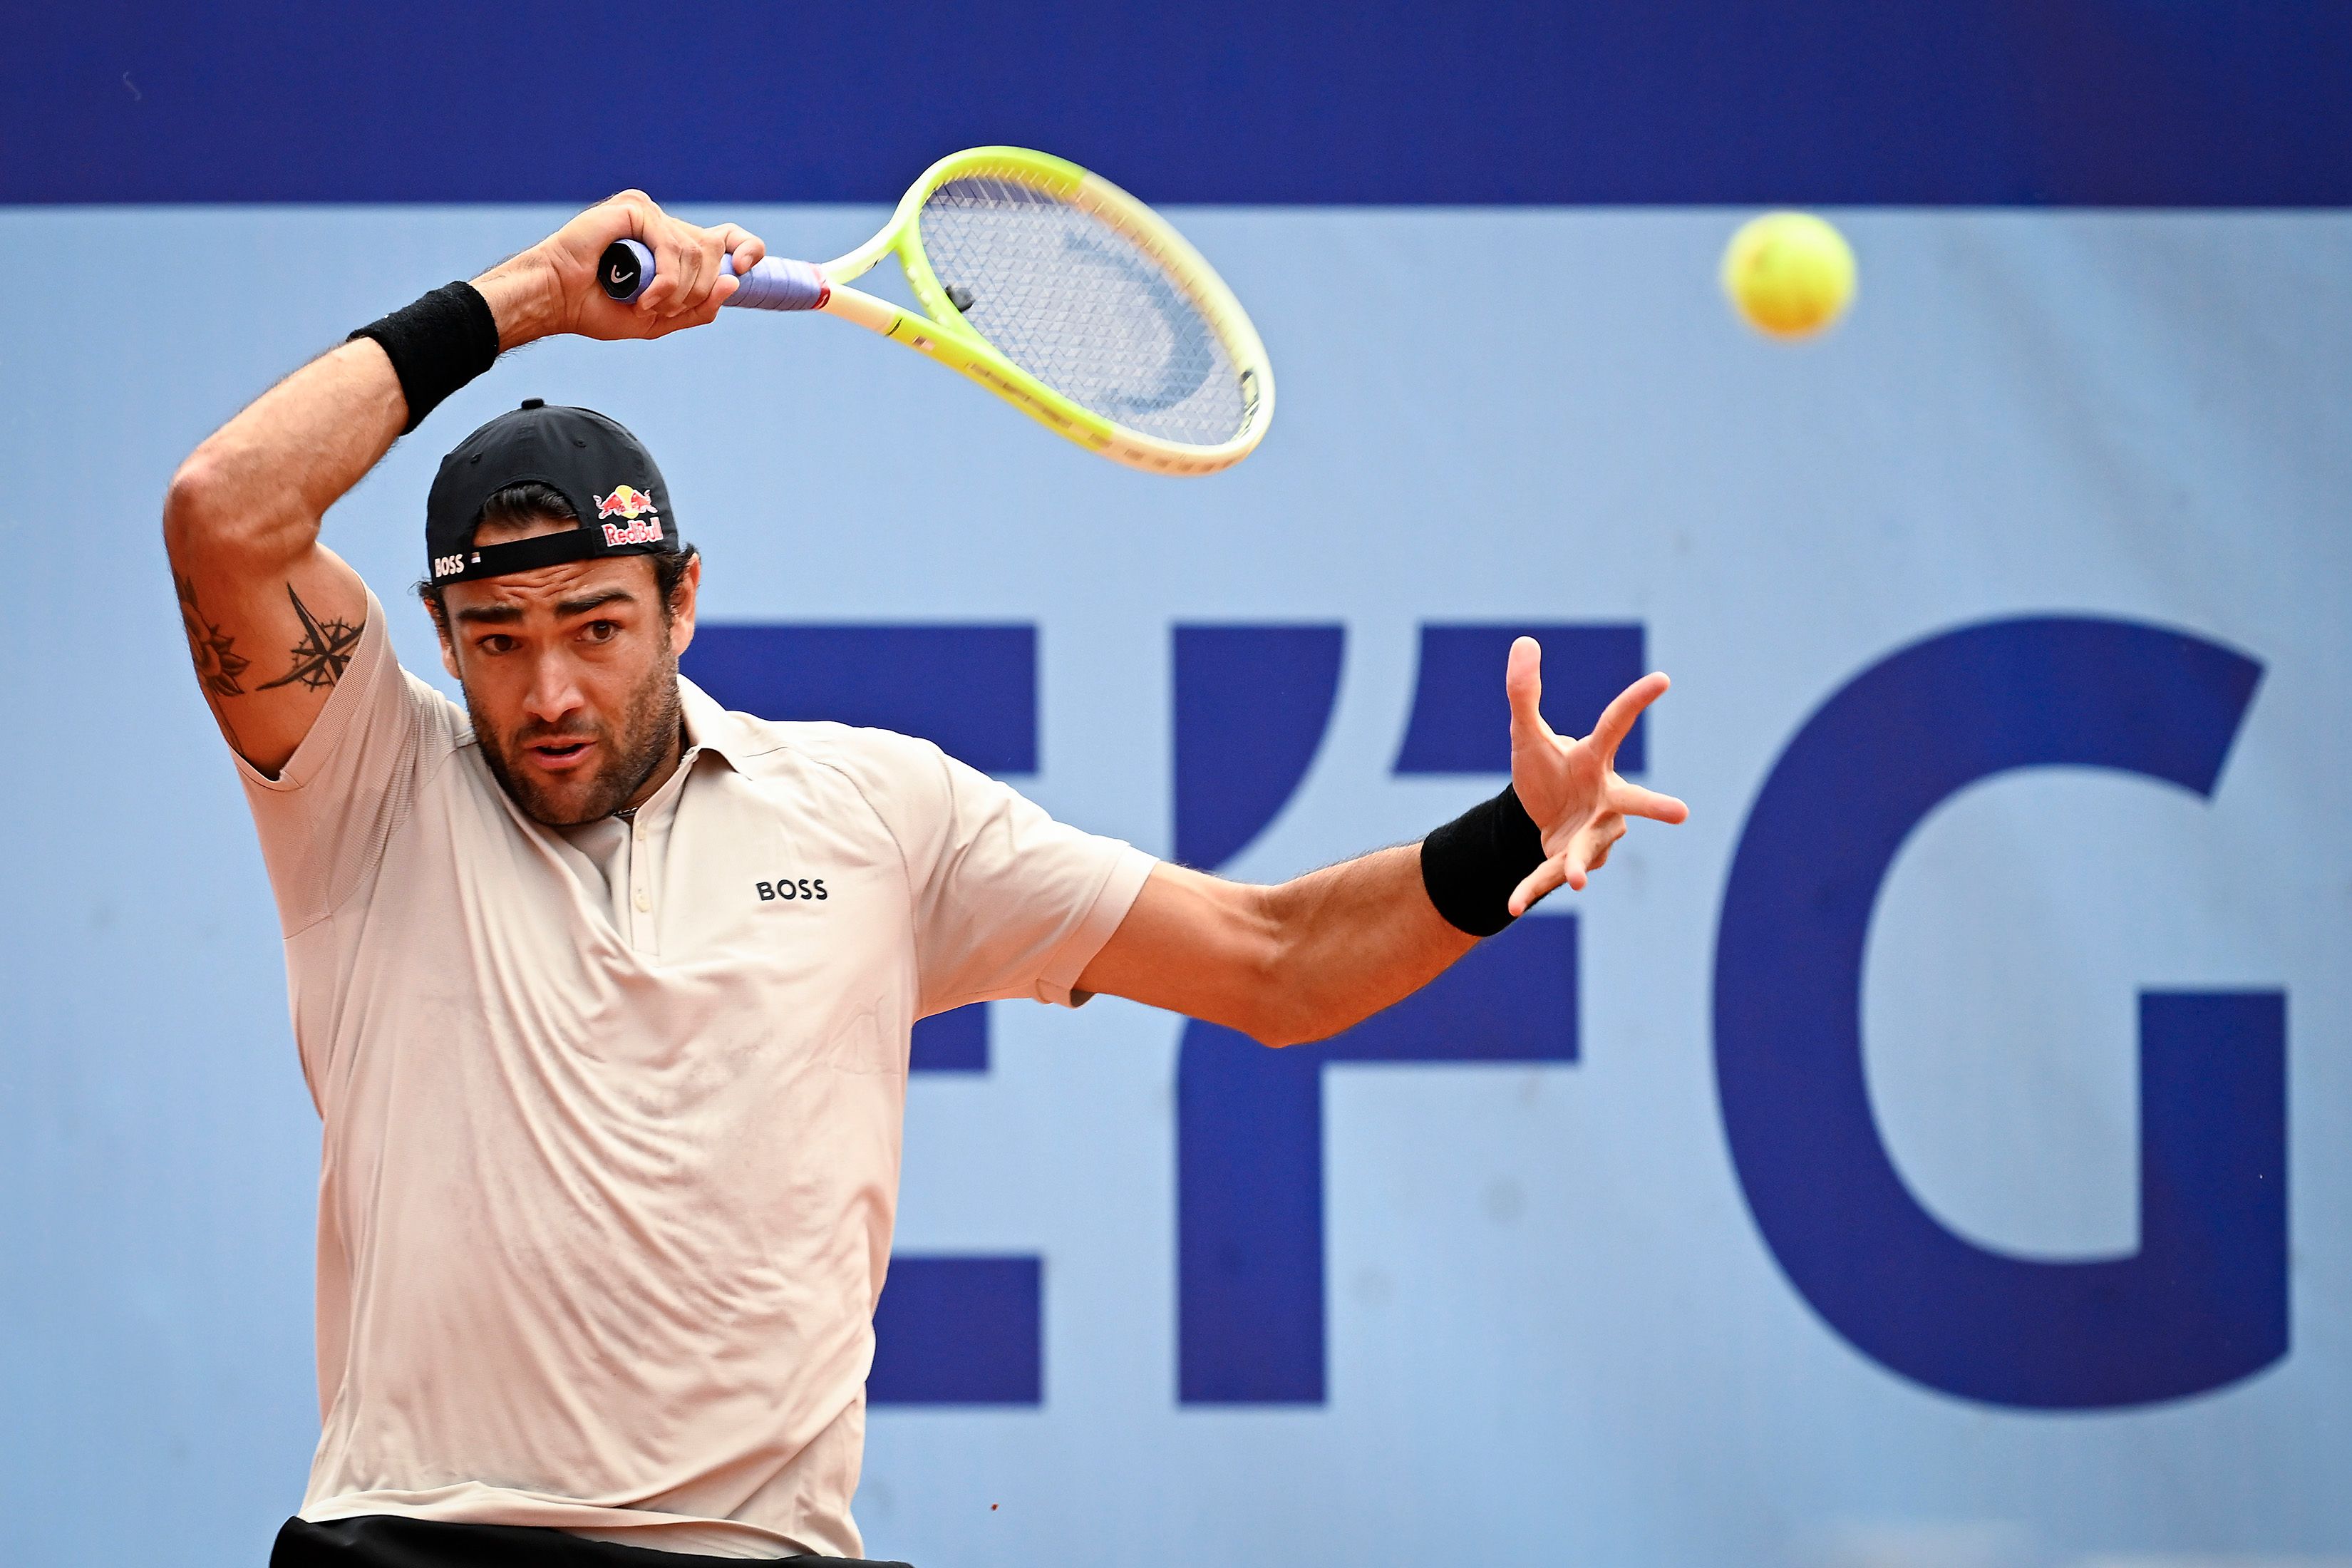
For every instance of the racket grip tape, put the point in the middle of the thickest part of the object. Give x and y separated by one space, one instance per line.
627 270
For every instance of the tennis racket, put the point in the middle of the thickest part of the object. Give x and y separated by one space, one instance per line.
1054 289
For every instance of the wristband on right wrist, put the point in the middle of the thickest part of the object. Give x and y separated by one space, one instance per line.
1470 866
437 345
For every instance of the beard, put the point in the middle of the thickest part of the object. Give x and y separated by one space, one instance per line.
649 720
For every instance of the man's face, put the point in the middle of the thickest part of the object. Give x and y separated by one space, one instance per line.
571 677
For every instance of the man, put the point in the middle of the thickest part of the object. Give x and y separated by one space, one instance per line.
603 993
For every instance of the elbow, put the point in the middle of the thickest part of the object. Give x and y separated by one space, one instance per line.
1299 1021
1295 1026
1258 973
192 506
1275 1033
201 516
1268 1029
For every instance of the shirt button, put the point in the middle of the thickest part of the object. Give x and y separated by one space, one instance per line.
641 833
644 902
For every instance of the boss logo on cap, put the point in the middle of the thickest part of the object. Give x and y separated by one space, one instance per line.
449 565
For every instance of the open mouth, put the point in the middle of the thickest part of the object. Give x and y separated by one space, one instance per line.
557 756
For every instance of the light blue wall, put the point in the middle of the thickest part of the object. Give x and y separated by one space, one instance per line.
1555 1333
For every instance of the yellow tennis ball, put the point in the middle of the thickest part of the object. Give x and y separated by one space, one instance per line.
1790 273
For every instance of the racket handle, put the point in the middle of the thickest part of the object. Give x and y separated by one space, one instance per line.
627 270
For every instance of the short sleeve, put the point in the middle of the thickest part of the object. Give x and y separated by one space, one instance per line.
325 819
1007 901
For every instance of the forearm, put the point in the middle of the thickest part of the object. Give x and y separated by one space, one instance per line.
1323 951
1352 939
258 488
1283 964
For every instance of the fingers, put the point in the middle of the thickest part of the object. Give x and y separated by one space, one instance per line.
689 283
703 317
575 253
1603 836
1576 863
677 268
1617 719
639 217
1634 801
1588 849
1535 885
705 282
686 262
729 251
625 214
1572 867
711 285
1523 683
740 251
748 248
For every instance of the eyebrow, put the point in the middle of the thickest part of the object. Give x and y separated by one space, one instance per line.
503 615
593 602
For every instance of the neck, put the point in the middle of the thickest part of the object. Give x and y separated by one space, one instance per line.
658 772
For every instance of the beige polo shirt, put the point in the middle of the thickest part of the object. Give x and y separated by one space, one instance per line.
612 1115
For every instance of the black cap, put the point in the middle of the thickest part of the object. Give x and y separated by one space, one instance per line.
603 470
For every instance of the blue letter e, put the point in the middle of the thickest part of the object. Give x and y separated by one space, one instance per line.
2203 1301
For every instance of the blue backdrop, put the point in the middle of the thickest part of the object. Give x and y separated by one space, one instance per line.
2105 103
1935 1153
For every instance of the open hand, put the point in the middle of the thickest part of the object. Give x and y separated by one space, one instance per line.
1570 787
553 287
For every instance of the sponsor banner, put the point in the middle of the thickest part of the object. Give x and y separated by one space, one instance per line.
1935 1152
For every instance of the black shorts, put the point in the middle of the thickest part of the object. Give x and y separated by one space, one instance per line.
387 1541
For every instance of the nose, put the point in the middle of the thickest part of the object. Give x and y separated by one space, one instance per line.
554 691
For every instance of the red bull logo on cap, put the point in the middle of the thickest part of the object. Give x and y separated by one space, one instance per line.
644 532
625 501
634 505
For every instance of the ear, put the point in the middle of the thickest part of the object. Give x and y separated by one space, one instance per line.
681 618
441 630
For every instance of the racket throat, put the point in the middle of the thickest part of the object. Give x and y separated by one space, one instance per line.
873 313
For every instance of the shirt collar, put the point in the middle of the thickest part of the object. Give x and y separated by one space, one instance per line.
710 728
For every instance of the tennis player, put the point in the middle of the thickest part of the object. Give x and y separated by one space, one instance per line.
604 993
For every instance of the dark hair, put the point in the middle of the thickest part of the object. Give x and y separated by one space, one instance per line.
526 502
529 502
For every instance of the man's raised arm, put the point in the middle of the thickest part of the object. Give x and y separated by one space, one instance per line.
1306 960
272 615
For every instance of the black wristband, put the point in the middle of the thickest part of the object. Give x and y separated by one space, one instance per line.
437 345
1471 865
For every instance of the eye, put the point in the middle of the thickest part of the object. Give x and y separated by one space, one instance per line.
601 631
495 642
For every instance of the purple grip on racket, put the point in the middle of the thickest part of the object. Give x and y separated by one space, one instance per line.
777 284
626 271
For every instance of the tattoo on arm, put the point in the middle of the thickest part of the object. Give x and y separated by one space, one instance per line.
322 654
320 658
218 664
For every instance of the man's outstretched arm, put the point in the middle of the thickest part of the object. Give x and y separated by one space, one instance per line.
1306 960
1283 964
271 615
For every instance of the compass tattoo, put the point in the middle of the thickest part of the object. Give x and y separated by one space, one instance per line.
218 664
325 651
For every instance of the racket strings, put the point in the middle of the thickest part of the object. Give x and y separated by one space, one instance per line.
1084 308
